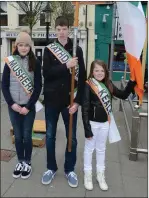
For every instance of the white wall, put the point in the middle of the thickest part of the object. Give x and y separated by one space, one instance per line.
91 35
12 16
13 27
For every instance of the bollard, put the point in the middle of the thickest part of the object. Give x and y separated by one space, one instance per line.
133 154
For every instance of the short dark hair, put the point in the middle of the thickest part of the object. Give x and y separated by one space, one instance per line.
62 21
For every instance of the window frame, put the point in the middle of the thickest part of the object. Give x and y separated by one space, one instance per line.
4 14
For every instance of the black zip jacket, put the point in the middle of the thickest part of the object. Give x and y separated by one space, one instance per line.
57 78
93 110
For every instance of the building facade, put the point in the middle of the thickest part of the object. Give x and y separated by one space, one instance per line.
103 32
94 35
11 24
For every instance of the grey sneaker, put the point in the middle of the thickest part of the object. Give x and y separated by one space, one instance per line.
48 176
72 179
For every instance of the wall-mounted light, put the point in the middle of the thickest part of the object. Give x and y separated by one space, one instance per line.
108 7
104 19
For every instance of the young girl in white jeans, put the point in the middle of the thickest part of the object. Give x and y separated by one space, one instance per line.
98 119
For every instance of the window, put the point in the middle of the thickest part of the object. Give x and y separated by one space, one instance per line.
22 20
12 46
3 14
119 59
3 20
42 20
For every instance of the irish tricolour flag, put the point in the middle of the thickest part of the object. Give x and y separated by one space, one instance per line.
133 24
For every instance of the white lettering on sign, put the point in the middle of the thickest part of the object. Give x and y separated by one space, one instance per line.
11 34
34 35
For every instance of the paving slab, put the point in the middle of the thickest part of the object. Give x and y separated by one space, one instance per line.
125 178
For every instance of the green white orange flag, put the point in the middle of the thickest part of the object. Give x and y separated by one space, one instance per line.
133 24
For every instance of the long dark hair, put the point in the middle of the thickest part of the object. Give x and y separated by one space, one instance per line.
32 58
106 80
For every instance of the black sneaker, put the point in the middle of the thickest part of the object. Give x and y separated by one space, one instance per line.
27 170
18 170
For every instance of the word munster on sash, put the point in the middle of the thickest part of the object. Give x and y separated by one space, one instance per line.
20 74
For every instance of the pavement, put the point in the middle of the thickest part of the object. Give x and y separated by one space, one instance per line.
125 178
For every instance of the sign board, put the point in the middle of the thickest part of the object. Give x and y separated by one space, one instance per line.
81 34
34 35
92 2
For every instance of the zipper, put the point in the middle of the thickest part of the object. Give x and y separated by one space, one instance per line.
94 111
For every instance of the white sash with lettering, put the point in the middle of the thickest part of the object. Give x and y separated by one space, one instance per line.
63 56
103 95
22 76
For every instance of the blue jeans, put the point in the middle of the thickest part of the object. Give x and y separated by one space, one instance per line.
22 127
51 116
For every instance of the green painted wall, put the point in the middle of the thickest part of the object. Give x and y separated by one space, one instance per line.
103 32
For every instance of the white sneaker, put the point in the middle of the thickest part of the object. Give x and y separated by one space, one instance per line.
88 180
101 180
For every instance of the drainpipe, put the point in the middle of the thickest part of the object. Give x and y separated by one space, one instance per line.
86 17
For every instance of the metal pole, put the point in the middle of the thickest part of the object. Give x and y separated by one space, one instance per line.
76 20
125 71
120 105
126 121
47 32
112 40
133 154
86 17
145 45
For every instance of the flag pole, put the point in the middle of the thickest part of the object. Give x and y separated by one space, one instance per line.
145 46
112 40
76 20
125 71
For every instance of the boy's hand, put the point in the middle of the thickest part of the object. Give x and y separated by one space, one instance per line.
74 108
72 62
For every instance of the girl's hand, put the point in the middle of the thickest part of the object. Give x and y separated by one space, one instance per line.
16 107
24 111
74 108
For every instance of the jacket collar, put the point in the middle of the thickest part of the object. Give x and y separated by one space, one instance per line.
68 45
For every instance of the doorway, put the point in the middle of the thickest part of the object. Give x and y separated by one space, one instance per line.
38 54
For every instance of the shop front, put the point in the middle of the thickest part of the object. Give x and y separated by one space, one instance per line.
39 43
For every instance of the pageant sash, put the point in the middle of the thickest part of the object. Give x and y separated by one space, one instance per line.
23 77
63 56
104 96
20 74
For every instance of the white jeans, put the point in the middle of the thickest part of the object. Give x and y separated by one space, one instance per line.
98 142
